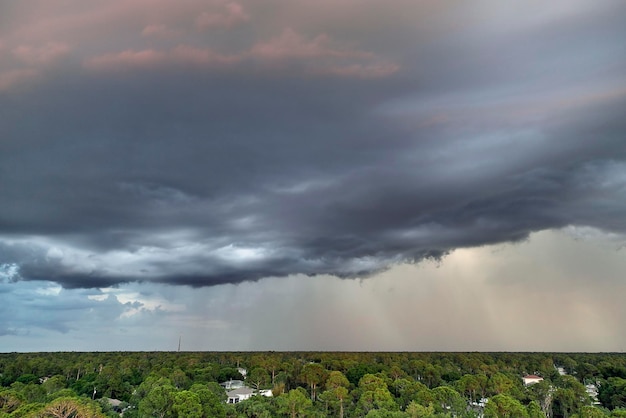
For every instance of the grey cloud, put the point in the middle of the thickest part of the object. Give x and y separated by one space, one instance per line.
35 307
204 176
8 331
572 279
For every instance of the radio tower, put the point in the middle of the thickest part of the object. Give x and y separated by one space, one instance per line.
179 338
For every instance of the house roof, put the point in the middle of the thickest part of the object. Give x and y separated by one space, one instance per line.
239 391
532 376
113 402
232 384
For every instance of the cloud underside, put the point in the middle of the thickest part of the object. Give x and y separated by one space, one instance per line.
303 152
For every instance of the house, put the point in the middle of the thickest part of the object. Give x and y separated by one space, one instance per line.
481 403
242 371
239 394
266 392
592 391
232 384
531 379
115 404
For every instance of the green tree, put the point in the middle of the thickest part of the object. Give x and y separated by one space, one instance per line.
534 410
580 392
27 410
589 411
27 379
110 383
612 393
469 385
31 392
500 383
271 363
415 410
396 372
383 413
336 392
63 393
158 402
564 403
431 376
406 390
337 379
71 408
504 406
256 407
542 393
570 397
212 405
152 381
257 378
54 384
295 403
586 371
374 394
448 400
313 374
186 404
371 382
217 390
355 373
10 400
179 379
229 373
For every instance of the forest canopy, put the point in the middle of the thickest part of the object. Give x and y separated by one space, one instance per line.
312 384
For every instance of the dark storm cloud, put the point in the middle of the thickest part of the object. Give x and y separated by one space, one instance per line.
315 151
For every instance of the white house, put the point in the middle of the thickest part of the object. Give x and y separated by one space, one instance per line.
232 384
592 391
266 392
239 394
531 379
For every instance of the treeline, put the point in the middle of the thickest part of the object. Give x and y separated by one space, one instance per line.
311 384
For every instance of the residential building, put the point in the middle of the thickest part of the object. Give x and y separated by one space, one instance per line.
531 379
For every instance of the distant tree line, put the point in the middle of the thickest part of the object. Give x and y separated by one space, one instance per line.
311 384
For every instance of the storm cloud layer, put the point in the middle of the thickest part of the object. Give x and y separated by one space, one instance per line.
216 142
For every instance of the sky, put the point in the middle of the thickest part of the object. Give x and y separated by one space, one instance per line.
312 175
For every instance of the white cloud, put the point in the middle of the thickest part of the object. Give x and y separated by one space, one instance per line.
53 290
9 271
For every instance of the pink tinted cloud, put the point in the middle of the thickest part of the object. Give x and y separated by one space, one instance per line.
374 70
290 44
232 14
322 56
201 56
40 20
159 20
26 63
317 56
40 55
126 59
158 31
150 58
